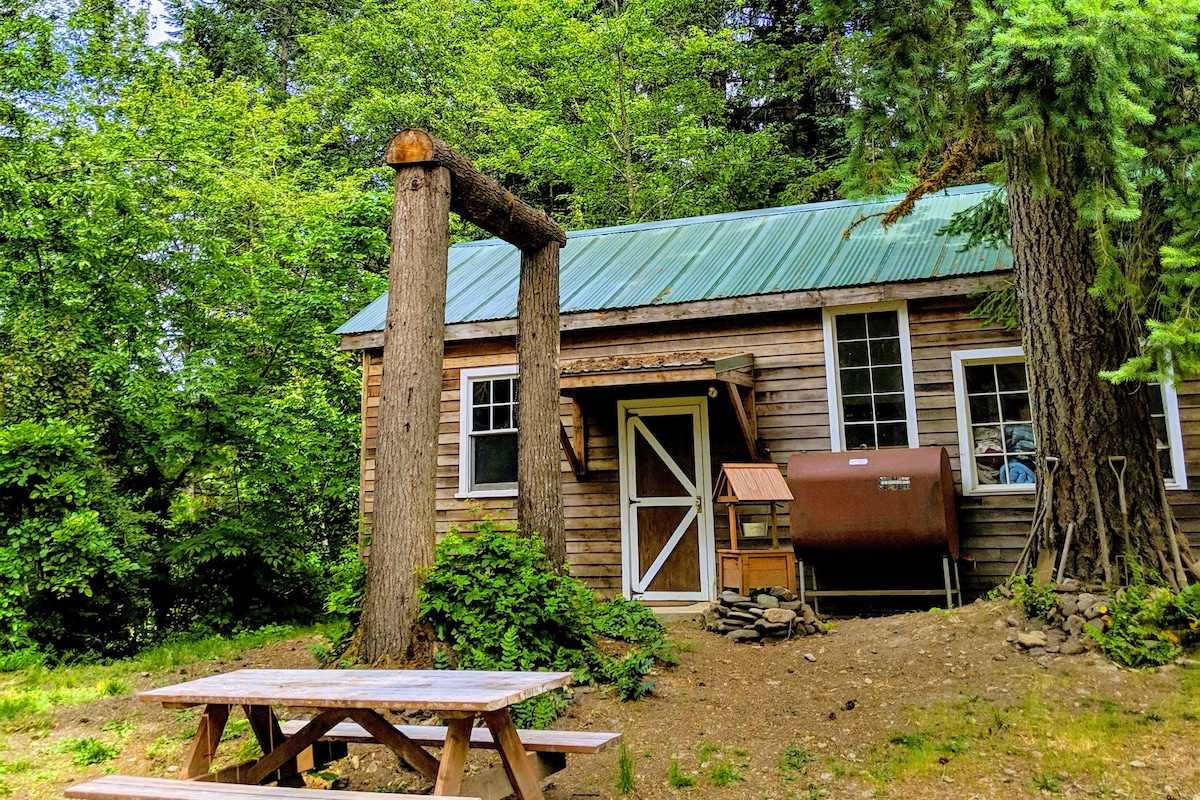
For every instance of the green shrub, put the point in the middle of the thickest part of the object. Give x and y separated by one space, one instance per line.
348 582
494 599
1037 600
85 752
625 779
676 778
1149 625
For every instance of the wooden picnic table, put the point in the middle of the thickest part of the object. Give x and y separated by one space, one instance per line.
458 696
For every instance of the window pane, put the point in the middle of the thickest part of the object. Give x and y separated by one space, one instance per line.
502 390
1011 377
501 417
851 326
889 407
984 408
481 419
1154 398
1159 426
495 459
856 409
1168 467
481 392
1015 407
1017 471
883 323
858 436
885 351
1019 438
856 381
893 434
852 354
888 379
980 378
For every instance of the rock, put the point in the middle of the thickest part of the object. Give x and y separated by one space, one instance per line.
1073 624
808 615
1014 620
810 628
1138 764
1085 600
1038 651
743 616
1068 585
782 594
1093 611
999 625
758 612
767 601
744 635
810 657
1035 625
1072 646
779 615
770 627
791 605
1054 637
729 598
1031 639
721 610
745 605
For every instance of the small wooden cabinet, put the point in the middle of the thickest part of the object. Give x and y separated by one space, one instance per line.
743 569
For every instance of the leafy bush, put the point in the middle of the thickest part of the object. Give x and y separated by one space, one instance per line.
1037 600
86 752
494 599
1149 625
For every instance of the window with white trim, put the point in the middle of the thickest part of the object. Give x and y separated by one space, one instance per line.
997 439
489 414
869 377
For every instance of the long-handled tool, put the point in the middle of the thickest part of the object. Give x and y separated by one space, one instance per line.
1113 462
1181 577
1043 570
1041 515
1101 530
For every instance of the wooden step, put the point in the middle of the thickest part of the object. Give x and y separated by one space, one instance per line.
435 736
129 787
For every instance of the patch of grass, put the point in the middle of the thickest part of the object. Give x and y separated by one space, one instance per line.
1047 781
88 751
677 779
121 727
707 751
795 760
625 781
14 706
234 728
722 775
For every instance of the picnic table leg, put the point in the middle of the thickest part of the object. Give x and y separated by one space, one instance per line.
266 729
517 765
454 755
199 757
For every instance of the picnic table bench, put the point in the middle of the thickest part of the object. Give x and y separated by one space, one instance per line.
130 787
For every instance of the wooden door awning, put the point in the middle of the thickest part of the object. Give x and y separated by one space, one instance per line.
632 370
734 370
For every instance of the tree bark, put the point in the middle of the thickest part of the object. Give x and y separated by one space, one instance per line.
1069 337
402 539
539 470
477 197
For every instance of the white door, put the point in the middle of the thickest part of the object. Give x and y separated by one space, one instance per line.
667 548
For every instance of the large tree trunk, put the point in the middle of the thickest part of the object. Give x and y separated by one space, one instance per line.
1069 336
402 537
539 471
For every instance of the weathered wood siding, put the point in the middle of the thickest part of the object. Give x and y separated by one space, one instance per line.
793 417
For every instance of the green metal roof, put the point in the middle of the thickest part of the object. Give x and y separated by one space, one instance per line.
724 255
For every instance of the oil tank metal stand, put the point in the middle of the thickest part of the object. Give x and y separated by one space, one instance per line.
953 592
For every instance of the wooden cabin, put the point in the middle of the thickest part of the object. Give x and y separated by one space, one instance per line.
692 343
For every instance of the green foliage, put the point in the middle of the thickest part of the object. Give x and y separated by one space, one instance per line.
1035 599
1149 625
677 779
494 599
722 775
795 760
1047 781
625 777
347 583
88 751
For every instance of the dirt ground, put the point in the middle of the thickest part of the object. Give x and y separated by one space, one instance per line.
920 705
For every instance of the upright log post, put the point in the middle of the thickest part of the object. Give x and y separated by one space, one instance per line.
431 181
539 471
402 536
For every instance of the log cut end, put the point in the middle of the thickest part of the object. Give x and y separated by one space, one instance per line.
410 147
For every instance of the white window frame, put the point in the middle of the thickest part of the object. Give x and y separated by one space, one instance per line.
995 355
960 359
465 451
833 377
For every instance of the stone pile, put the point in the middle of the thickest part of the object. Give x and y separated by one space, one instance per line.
1063 629
766 614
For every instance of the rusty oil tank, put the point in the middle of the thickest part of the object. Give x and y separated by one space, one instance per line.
873 503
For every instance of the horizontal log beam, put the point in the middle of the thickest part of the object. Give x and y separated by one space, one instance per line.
476 197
